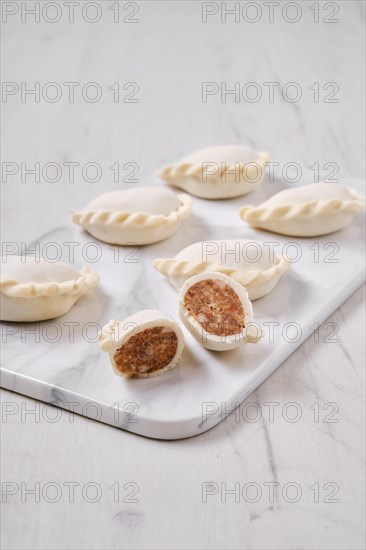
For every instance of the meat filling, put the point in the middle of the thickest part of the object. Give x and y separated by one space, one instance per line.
150 350
216 307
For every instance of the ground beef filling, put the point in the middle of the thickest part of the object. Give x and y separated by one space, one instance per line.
150 350
216 306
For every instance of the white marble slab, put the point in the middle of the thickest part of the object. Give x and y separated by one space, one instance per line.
61 365
169 53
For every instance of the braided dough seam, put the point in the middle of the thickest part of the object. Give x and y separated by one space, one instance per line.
252 214
250 277
135 219
13 288
193 170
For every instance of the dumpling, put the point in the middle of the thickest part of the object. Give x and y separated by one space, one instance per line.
250 263
145 344
217 312
218 172
138 216
38 290
306 211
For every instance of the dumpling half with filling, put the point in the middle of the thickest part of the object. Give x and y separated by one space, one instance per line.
217 312
144 345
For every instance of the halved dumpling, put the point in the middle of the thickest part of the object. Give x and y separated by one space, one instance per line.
36 290
217 312
306 211
136 216
145 344
219 172
251 263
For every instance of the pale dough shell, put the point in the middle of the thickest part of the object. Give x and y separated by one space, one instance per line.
252 265
307 211
38 290
136 216
219 172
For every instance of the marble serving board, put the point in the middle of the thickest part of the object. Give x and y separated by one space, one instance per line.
59 361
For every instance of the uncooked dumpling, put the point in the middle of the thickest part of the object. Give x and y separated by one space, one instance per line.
38 290
219 172
306 211
250 263
136 216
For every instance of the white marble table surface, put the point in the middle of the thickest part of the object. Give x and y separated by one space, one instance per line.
316 463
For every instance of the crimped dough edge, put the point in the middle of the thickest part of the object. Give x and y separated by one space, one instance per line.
181 170
134 219
86 280
251 277
310 209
